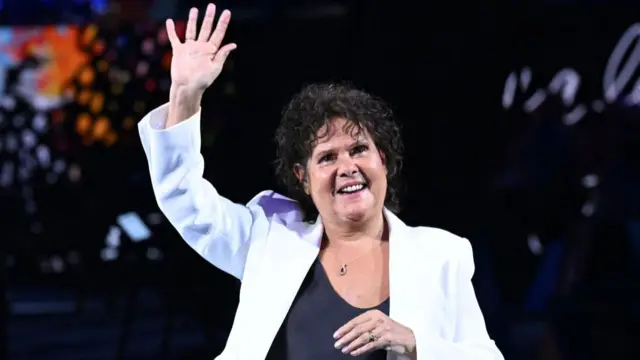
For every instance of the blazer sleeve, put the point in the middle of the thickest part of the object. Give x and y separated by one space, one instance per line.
471 340
218 229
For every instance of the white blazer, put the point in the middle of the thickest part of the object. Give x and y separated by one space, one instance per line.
269 248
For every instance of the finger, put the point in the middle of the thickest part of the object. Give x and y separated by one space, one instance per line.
368 347
364 340
222 55
192 24
353 323
221 29
171 33
359 332
207 23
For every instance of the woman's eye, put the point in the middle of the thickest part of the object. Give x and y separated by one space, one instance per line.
326 158
359 149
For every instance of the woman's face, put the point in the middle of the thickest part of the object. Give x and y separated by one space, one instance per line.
345 175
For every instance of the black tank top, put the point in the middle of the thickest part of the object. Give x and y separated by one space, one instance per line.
316 313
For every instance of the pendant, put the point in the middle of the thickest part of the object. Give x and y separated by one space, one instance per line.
343 270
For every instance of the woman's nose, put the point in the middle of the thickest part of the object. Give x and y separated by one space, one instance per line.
347 167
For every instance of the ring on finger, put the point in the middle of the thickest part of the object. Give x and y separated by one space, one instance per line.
373 337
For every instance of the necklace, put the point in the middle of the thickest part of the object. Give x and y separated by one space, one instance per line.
344 267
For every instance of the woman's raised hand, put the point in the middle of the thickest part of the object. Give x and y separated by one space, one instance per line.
198 60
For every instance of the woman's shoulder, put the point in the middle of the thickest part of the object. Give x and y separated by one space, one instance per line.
440 240
272 204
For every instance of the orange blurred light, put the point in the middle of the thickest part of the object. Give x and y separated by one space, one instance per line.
110 138
83 123
89 34
97 103
87 76
84 97
101 128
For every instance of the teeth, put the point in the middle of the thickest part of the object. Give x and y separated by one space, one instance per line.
352 188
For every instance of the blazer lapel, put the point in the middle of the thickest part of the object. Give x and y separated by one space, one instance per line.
402 261
288 256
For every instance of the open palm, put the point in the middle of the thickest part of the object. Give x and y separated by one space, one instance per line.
198 61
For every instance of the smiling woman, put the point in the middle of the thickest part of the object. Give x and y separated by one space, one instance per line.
331 273
331 128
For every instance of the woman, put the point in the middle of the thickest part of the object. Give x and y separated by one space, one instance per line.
352 281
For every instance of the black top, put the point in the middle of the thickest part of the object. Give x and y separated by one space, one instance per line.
316 313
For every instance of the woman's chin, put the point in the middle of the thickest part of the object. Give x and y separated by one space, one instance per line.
355 216
356 213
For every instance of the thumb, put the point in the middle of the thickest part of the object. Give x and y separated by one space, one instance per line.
222 54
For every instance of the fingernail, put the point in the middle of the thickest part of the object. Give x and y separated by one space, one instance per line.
337 345
335 335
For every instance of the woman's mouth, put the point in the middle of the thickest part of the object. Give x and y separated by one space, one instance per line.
352 189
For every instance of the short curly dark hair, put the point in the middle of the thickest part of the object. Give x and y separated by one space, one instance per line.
314 107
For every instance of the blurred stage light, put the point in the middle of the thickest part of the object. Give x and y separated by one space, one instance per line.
125 77
75 87
109 254
534 244
36 63
133 227
25 148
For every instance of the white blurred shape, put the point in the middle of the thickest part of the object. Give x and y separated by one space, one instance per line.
615 79
588 208
75 173
133 225
575 115
29 139
509 91
566 83
8 102
39 123
57 264
535 246
113 237
590 181
43 155
535 101
109 254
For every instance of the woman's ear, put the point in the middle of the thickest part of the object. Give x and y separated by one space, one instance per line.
301 174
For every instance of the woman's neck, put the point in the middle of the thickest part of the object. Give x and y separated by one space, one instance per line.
351 233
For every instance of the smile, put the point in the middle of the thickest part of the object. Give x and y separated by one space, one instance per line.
352 189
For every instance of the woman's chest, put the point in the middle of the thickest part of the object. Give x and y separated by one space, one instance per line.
363 282
316 313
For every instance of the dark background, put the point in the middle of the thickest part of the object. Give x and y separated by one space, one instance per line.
556 260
